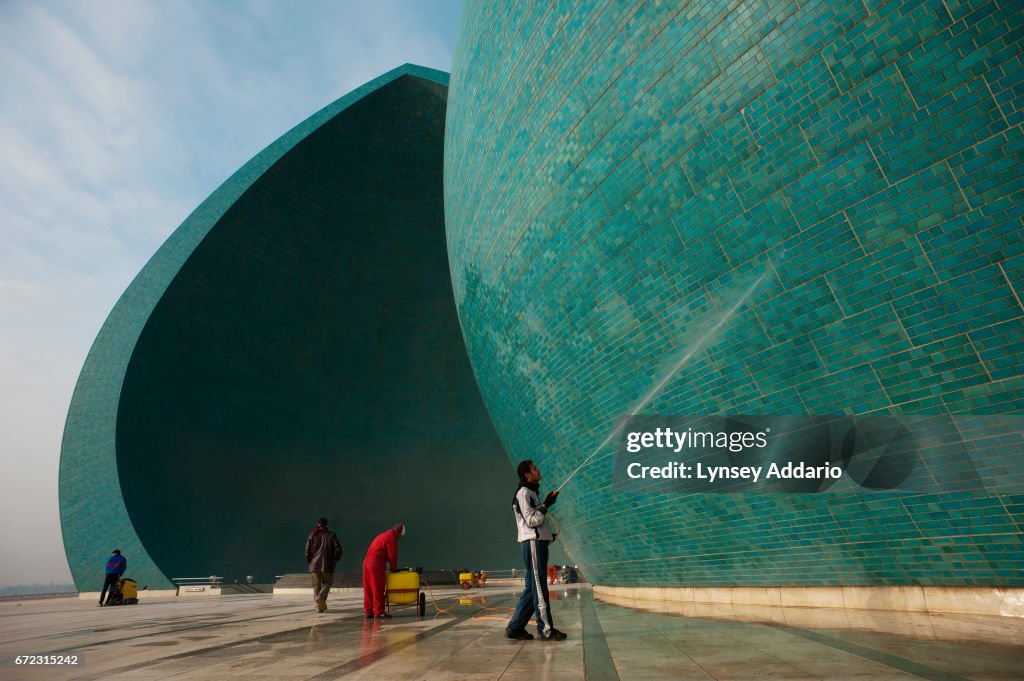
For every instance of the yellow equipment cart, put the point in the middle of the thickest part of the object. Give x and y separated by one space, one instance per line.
124 592
129 591
403 588
468 580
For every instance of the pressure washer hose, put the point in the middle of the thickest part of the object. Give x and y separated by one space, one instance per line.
441 610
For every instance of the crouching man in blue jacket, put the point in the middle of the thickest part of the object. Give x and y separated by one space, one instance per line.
116 565
534 536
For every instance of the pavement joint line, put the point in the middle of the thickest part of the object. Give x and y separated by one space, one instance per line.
601 625
375 656
598 664
346 625
65 650
895 661
454 653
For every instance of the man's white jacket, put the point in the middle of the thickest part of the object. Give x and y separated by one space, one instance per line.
531 515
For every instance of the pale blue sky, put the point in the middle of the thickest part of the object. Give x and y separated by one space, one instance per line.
116 120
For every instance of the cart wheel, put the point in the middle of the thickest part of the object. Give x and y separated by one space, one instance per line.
466 585
423 604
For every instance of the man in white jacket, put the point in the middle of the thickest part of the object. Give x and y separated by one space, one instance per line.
534 536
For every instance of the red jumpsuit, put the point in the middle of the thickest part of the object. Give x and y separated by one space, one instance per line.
383 549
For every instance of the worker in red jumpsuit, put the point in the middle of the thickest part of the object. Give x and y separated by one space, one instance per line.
383 550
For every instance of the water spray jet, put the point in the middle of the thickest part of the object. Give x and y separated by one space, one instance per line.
673 370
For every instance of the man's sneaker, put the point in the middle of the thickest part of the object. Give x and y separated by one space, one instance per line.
518 634
555 635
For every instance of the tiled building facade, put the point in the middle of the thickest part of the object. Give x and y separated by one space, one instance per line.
743 208
619 176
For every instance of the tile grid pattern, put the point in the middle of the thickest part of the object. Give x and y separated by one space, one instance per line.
617 174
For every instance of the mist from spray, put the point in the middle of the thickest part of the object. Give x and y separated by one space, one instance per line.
674 368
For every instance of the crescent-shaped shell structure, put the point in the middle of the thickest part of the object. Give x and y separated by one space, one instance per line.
292 351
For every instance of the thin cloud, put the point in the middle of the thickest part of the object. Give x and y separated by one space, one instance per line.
116 120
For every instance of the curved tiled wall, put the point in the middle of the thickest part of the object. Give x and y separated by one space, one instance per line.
619 175
291 351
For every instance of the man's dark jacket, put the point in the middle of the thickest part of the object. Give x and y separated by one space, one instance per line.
323 550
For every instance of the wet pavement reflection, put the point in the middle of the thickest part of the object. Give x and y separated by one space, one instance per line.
462 637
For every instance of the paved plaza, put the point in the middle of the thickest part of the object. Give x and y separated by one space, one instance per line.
282 637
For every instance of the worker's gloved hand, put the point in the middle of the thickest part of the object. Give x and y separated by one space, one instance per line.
550 499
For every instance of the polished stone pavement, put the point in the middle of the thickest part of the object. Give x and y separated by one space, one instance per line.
282 637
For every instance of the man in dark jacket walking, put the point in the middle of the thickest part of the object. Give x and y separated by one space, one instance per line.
116 565
323 550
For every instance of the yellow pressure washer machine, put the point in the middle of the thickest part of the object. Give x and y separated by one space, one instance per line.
403 588
124 592
469 580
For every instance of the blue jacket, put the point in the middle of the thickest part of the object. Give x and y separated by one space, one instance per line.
117 565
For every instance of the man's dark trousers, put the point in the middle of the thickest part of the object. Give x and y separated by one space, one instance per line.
109 583
535 597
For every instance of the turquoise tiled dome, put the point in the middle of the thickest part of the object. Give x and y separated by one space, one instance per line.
618 175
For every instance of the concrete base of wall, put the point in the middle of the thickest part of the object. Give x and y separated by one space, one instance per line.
511 581
308 591
992 601
147 595
198 591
